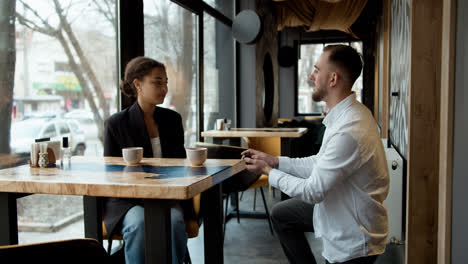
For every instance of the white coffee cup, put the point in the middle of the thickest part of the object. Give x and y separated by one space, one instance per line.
196 155
219 124
132 155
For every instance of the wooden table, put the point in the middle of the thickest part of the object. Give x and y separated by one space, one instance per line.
257 134
274 141
159 182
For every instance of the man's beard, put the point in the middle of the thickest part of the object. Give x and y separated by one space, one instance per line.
318 95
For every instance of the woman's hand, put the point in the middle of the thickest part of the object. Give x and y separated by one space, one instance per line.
258 155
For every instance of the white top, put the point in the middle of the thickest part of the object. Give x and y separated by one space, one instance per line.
348 181
156 145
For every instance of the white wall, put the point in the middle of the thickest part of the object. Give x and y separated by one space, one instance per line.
460 166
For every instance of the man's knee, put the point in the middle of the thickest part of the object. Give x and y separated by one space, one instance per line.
277 213
292 213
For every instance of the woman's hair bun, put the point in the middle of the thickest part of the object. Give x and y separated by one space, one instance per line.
136 69
127 89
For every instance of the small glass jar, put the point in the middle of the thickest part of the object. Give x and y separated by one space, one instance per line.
43 160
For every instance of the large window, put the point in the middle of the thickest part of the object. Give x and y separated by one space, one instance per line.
219 82
224 7
171 38
66 79
305 87
65 84
65 69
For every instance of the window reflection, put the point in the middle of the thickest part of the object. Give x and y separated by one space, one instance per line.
171 38
219 90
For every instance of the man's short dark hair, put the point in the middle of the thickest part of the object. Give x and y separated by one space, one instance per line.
346 58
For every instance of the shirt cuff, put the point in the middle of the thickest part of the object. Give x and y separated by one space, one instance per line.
273 178
284 164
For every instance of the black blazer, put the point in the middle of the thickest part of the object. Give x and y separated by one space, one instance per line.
127 129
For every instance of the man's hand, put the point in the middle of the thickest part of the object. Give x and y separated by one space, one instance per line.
258 155
257 166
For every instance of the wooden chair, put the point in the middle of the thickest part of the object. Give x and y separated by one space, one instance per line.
232 152
192 227
64 251
269 145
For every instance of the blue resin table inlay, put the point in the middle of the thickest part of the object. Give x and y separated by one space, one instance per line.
164 172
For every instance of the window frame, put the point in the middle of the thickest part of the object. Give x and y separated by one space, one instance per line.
130 38
199 7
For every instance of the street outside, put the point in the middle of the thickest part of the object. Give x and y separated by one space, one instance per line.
42 214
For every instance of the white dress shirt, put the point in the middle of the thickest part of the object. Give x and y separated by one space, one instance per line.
347 181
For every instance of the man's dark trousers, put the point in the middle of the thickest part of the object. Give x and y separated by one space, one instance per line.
290 219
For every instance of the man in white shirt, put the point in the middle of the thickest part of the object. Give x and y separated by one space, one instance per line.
338 193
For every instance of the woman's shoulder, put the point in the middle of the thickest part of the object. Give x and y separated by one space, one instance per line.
168 113
117 117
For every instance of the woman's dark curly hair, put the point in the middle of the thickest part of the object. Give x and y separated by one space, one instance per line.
137 68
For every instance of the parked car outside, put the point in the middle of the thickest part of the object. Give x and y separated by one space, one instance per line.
86 121
23 133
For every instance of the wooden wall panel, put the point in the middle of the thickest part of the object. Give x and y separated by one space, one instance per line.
446 131
423 131
386 67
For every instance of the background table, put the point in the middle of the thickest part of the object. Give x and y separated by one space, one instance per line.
274 141
261 138
159 182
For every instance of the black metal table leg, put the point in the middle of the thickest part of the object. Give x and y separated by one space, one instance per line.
212 224
93 217
8 219
158 246
232 198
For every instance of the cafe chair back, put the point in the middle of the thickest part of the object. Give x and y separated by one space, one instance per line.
63 251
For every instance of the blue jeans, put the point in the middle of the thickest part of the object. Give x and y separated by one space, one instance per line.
133 231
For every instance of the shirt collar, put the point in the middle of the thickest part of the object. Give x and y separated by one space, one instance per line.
333 115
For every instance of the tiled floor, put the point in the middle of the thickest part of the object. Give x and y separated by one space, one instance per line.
249 241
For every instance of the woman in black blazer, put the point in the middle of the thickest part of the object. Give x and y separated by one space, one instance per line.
160 132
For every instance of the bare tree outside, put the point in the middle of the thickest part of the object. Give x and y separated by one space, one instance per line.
75 40
58 24
68 47
7 70
169 38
